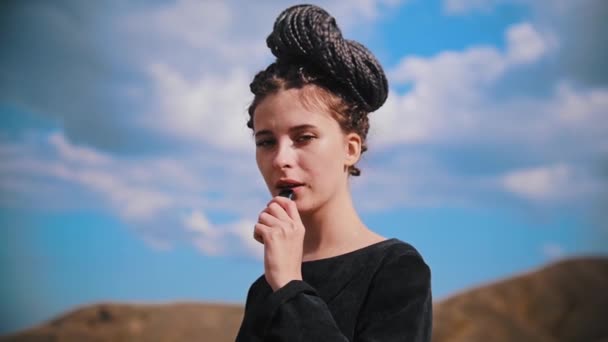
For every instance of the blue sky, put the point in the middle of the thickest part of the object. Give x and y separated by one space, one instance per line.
128 173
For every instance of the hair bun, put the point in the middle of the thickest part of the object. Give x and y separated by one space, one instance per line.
308 35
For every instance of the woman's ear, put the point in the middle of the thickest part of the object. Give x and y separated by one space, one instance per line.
353 144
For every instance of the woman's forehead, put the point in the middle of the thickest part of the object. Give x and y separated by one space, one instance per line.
286 108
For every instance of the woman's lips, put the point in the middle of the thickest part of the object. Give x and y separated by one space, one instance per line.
287 183
291 188
295 186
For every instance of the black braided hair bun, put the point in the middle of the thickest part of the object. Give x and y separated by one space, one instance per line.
309 36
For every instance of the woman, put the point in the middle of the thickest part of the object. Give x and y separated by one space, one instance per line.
327 276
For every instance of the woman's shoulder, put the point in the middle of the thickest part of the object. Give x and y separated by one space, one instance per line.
396 257
393 256
394 248
373 255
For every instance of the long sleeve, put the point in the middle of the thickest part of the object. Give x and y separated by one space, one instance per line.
301 316
295 312
399 302
387 300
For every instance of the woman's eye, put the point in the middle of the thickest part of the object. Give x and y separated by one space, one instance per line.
305 138
264 143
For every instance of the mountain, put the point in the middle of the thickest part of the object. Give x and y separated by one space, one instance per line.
128 322
564 301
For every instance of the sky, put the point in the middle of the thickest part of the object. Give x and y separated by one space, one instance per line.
127 172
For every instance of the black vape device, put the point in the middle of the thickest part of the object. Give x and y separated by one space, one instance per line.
286 193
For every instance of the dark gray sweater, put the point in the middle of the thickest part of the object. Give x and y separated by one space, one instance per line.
378 293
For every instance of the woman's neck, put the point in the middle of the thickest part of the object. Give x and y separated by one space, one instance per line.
333 229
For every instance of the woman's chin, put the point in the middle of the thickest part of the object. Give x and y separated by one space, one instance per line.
306 207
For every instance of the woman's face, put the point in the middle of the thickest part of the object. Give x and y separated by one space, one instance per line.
300 148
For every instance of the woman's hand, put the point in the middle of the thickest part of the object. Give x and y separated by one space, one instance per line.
281 231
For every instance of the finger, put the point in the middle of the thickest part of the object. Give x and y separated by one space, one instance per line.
276 210
269 220
260 231
258 238
289 206
278 196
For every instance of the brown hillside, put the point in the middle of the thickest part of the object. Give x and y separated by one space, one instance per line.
566 301
127 322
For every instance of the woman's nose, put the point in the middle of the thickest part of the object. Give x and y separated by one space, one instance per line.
284 156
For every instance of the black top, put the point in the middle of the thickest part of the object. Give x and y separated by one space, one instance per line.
381 292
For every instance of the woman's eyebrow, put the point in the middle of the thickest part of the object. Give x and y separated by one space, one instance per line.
297 128
262 132
301 127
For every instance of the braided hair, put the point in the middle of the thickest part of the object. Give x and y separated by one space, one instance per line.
310 50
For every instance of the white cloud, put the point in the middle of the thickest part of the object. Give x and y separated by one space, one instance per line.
553 250
199 72
551 183
112 50
464 6
198 23
93 170
421 178
210 109
576 107
132 201
526 44
198 36
150 194
210 105
197 222
581 56
540 183
449 103
352 13
222 239
223 34
156 243
243 229
75 153
449 90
